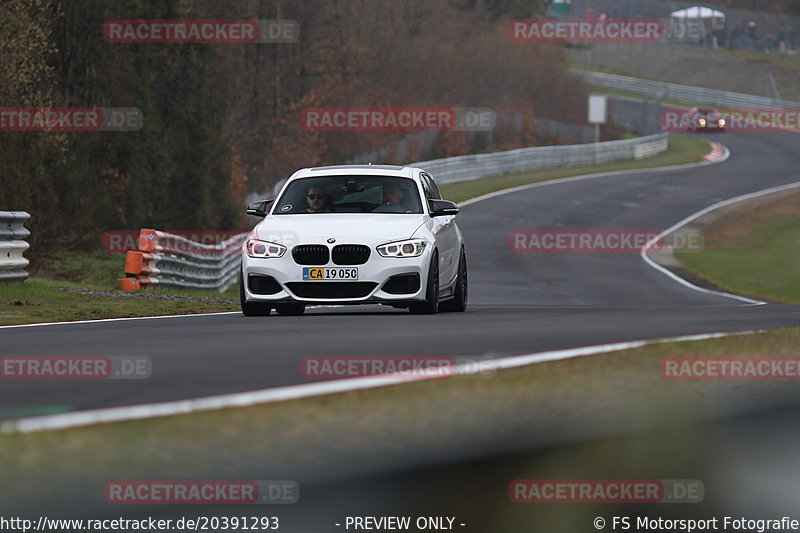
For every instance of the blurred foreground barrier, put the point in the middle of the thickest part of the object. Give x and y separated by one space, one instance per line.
474 166
13 245
167 259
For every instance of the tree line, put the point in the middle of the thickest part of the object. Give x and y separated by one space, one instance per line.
222 120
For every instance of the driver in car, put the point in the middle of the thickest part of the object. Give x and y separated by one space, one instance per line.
317 201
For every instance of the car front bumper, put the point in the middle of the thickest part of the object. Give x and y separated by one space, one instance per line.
368 288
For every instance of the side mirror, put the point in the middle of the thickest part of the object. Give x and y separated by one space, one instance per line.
440 208
259 208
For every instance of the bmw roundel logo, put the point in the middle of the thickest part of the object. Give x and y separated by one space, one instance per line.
331 240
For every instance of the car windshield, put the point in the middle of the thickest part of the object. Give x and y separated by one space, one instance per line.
349 194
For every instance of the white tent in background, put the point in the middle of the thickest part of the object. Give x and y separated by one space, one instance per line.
694 23
700 12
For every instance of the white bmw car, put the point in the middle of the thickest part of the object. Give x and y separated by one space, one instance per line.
354 234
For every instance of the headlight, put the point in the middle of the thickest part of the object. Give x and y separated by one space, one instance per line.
702 122
256 248
721 122
409 248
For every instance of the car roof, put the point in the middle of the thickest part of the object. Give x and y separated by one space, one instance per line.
363 170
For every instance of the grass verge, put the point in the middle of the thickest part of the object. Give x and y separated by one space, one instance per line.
83 286
753 249
47 300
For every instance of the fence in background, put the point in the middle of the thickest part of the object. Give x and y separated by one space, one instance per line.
12 245
167 259
424 140
681 93
475 166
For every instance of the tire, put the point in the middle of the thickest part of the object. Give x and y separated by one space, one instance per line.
290 309
459 302
431 303
251 308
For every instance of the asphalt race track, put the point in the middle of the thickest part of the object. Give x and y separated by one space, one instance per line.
519 302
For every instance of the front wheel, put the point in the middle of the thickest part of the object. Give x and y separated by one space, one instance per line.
431 303
459 302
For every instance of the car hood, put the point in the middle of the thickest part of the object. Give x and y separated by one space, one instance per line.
357 227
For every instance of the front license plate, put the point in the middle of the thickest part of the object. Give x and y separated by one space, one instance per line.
329 273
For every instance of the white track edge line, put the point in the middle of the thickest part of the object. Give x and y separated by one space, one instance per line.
259 397
643 253
118 319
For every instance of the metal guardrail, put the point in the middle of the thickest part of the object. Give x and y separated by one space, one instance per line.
167 259
12 245
681 93
474 166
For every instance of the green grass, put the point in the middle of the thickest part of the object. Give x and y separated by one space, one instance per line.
630 94
754 251
615 391
93 270
775 58
583 65
83 286
682 149
96 270
592 67
47 300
